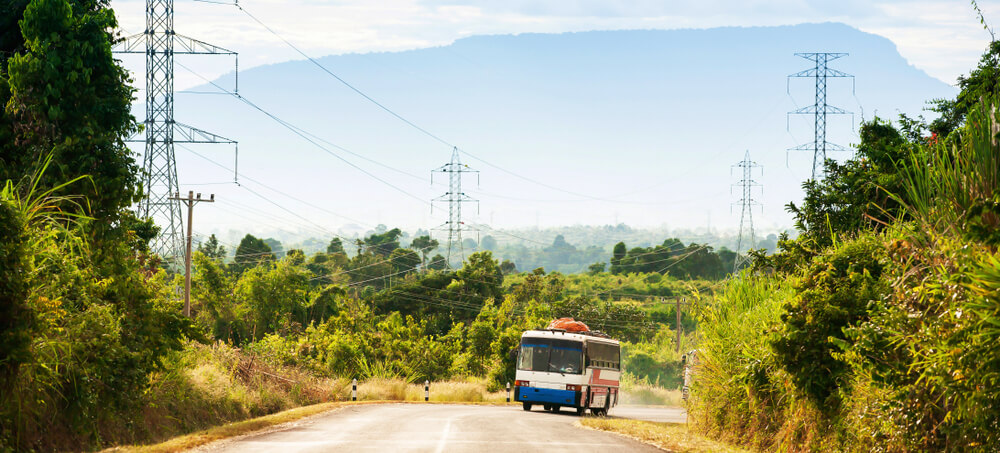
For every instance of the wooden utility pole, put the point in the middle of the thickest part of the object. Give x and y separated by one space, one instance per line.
190 201
678 324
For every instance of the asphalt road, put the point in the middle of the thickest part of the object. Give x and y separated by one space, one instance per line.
443 427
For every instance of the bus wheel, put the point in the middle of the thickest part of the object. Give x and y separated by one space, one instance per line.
581 410
547 407
526 406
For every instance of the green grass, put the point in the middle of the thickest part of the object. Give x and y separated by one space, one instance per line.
673 437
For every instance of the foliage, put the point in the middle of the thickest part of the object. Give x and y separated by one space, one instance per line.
66 96
694 261
833 294
858 194
251 252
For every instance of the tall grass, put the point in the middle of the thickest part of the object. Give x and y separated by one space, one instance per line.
736 394
954 186
204 386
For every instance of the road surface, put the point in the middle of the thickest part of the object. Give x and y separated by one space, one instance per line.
441 428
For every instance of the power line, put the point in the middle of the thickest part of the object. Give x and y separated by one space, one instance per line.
401 117
298 131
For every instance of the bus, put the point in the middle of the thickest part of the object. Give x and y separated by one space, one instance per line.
558 368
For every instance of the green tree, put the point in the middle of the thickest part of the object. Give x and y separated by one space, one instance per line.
424 244
404 260
251 252
857 194
335 246
65 95
438 262
383 243
508 267
597 268
617 255
982 82
212 249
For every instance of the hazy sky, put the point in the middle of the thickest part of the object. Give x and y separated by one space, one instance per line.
938 36
942 38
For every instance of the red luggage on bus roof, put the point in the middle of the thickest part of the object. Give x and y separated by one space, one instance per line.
569 325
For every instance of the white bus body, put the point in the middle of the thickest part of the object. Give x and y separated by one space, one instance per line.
566 369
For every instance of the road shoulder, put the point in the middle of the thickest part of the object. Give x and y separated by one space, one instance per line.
673 437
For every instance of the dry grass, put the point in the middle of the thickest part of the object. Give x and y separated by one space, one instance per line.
455 391
646 394
673 437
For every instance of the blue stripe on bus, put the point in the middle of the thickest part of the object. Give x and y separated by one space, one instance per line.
553 347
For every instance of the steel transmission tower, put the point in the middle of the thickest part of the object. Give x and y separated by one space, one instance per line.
747 239
820 109
455 197
159 178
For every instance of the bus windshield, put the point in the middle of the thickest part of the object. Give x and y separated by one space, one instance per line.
551 355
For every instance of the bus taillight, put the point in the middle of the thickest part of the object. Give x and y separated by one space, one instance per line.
520 383
573 387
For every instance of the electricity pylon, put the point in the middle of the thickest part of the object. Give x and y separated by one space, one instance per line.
159 179
747 240
455 197
820 109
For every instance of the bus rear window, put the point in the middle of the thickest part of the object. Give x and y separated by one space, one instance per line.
551 355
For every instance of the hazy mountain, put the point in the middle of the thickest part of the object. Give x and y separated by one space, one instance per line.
649 121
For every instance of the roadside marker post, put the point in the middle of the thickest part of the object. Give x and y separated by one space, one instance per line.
508 391
427 391
354 390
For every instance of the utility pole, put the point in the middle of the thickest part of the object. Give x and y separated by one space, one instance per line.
455 197
678 324
160 43
190 201
746 240
820 109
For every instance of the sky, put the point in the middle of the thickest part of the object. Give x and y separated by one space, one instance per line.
944 39
939 36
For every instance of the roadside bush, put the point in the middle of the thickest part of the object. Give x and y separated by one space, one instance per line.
835 292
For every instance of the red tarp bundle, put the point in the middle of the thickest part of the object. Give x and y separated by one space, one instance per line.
569 325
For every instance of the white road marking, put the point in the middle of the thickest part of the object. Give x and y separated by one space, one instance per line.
444 437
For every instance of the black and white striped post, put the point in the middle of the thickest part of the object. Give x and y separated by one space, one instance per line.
508 391
354 390
427 391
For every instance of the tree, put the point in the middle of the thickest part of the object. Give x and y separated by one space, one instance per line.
424 244
597 268
383 243
212 249
11 40
404 260
508 267
65 95
982 82
335 246
488 243
251 252
617 255
438 262
276 247
856 194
